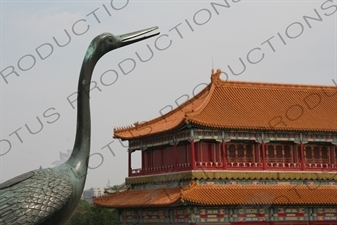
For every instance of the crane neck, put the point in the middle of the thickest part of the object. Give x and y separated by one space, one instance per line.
79 158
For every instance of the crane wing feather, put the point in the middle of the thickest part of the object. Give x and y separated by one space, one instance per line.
33 198
16 180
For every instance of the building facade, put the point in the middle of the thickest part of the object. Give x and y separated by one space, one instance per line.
92 192
237 152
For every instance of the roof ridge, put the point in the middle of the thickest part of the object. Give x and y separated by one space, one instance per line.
253 84
215 77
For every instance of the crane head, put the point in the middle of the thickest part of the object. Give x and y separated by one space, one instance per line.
107 42
129 38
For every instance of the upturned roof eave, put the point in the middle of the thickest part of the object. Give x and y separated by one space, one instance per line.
183 120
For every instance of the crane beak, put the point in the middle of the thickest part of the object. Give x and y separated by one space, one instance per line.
127 39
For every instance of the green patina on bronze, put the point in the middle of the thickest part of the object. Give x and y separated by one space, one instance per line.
50 196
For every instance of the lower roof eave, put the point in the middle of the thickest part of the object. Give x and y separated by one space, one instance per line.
257 204
143 206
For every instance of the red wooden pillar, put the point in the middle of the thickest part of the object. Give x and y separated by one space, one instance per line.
143 162
302 155
193 155
264 164
224 154
129 162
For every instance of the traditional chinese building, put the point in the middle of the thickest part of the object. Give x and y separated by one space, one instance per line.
237 152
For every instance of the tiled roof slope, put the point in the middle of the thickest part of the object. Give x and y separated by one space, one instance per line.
261 195
140 198
248 105
212 195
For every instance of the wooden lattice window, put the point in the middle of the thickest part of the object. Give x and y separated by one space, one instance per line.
279 153
249 153
270 153
231 151
308 153
287 152
317 154
240 152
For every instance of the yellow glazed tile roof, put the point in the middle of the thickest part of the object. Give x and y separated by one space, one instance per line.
261 195
248 105
140 198
213 195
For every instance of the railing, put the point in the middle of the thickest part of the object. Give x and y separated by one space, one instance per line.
184 165
136 171
318 164
159 169
209 164
244 164
270 165
241 160
233 162
283 164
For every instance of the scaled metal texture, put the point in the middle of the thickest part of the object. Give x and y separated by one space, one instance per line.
50 196
36 196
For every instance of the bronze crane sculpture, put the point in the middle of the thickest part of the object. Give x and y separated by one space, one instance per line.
50 196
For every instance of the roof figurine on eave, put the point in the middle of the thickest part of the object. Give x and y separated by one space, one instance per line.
248 106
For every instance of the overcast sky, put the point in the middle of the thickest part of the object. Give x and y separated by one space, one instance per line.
275 40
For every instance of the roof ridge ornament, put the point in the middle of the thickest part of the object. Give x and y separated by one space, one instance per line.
215 77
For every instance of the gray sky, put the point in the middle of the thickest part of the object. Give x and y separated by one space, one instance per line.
276 40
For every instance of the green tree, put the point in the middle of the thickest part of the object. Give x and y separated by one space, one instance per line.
86 214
